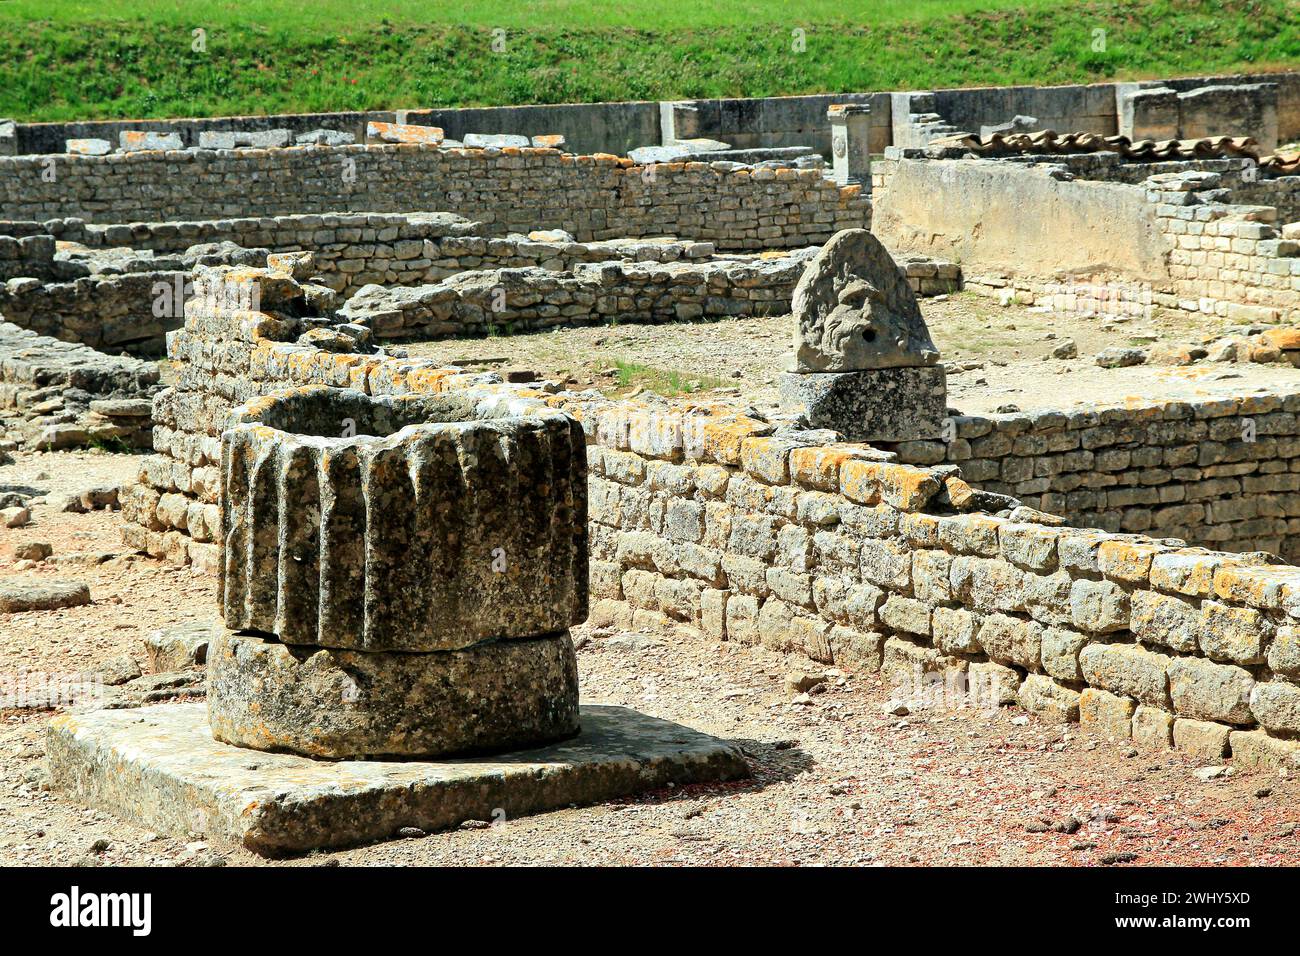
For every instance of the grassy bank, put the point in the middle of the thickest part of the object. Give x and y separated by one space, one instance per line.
263 56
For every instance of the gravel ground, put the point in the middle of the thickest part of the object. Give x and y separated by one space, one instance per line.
837 778
1003 355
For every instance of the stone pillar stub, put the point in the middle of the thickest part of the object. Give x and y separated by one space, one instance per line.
864 363
850 143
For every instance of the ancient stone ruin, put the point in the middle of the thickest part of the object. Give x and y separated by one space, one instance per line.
864 364
405 540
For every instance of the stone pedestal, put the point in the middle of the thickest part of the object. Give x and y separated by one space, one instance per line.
495 696
397 579
876 405
416 562
850 143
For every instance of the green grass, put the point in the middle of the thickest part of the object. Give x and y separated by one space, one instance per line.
67 59
667 382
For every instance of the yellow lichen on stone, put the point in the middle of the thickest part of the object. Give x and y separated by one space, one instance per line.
767 459
819 467
1126 560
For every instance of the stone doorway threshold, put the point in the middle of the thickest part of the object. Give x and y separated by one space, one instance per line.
160 767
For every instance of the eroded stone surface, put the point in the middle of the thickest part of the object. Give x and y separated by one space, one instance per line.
160 767
434 523
855 310
888 404
23 594
493 697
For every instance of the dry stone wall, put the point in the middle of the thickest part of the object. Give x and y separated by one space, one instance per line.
591 197
757 534
832 552
57 394
1221 473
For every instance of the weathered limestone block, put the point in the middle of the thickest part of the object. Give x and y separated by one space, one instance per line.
1256 749
1209 691
1201 738
1010 640
992 685
1043 696
1164 620
1060 652
1284 652
1153 728
1104 713
1101 607
494 696
853 648
441 522
1276 705
954 631
1236 634
1127 669
888 404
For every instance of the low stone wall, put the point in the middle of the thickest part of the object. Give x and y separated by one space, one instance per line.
60 395
703 516
828 552
441 275
1221 473
511 300
112 313
591 197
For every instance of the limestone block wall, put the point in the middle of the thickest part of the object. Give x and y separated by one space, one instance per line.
113 313
591 197
1221 473
702 516
511 300
1168 241
61 395
831 552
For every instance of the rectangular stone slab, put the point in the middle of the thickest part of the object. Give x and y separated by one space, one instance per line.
160 767
884 404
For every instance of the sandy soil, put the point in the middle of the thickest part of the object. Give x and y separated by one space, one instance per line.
838 779
1001 355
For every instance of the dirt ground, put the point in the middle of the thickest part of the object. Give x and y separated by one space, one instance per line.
997 355
837 778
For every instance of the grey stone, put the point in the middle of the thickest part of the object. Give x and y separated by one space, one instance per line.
324 137
17 594
1209 691
1127 669
33 551
130 141
354 542
1118 357
1276 705
677 151
483 140
237 139
119 670
855 310
887 404
494 697
179 646
160 767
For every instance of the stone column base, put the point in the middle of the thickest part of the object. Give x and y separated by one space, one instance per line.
885 405
493 697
